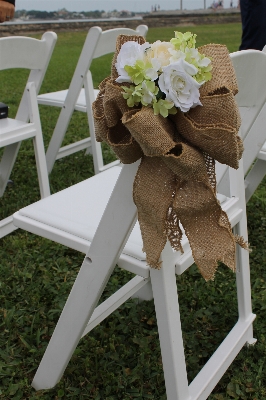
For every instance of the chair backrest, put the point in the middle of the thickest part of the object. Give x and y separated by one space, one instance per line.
250 68
97 44
33 55
107 40
105 43
28 53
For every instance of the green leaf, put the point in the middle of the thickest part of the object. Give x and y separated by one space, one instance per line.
60 393
13 388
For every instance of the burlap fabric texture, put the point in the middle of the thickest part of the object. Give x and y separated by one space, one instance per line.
175 182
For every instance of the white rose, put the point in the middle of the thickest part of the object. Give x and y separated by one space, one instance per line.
179 86
129 53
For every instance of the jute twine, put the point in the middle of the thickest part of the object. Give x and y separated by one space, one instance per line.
175 183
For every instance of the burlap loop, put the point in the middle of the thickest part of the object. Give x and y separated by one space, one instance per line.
219 141
100 124
220 108
123 144
187 163
223 73
141 123
113 110
175 182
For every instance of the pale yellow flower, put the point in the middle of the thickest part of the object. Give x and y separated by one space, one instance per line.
159 51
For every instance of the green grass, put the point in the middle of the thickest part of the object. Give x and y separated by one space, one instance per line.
120 359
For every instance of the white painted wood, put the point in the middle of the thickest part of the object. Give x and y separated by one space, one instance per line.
89 97
71 216
251 100
6 165
169 326
262 153
237 188
33 54
255 139
69 149
6 226
254 177
111 235
166 302
144 294
206 380
38 141
115 301
81 93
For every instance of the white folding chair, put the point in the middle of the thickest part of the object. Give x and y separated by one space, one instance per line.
74 217
251 100
32 54
81 95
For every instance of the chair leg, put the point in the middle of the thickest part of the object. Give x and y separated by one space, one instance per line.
6 165
38 141
242 256
243 285
95 146
58 136
78 309
41 165
109 240
169 326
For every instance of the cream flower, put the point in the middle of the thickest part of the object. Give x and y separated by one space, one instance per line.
159 51
179 86
129 53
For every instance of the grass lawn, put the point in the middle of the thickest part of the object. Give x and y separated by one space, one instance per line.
119 359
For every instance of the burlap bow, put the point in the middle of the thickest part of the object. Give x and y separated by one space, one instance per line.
175 182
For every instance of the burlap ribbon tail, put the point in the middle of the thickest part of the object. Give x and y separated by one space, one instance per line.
175 183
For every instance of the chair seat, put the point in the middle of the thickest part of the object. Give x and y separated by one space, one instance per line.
57 99
78 214
13 131
73 213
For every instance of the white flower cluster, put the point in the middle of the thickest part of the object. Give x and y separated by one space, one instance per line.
166 75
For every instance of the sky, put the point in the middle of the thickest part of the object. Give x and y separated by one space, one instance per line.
108 5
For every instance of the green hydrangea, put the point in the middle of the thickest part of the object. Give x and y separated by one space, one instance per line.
164 107
132 95
186 42
144 93
181 41
137 72
204 74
